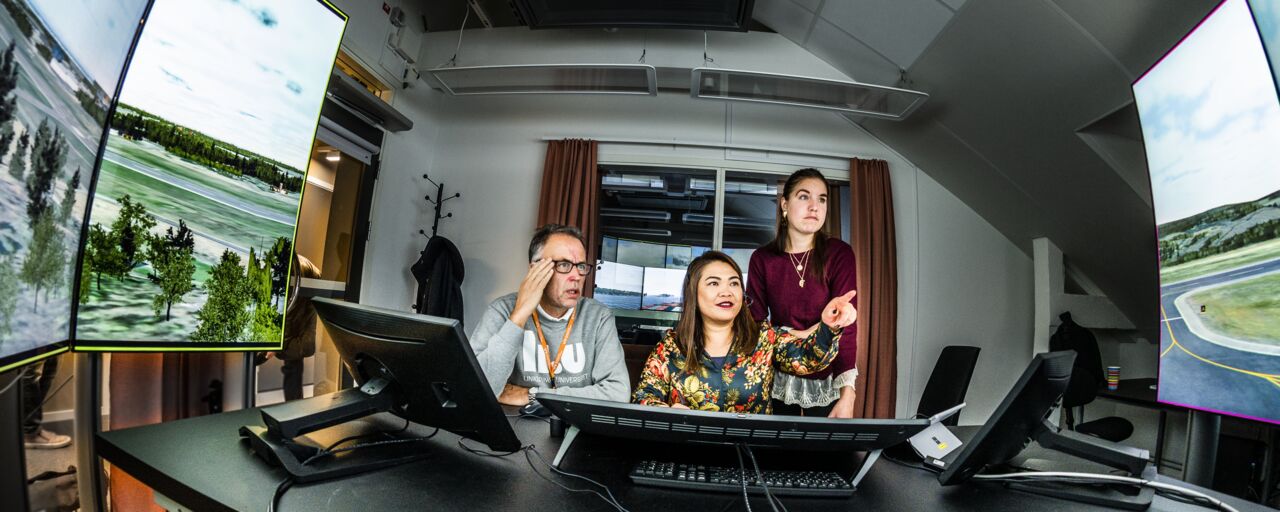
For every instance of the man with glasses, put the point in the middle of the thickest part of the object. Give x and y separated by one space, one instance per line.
547 337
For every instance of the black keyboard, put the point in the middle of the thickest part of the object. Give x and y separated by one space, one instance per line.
827 484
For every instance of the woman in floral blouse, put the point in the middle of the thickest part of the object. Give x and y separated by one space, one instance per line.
734 358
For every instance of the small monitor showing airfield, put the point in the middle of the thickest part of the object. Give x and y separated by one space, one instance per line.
1211 125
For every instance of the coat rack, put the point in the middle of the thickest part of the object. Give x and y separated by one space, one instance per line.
438 202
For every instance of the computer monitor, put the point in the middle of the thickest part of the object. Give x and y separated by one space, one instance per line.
196 207
418 367
60 69
1210 116
667 425
1023 417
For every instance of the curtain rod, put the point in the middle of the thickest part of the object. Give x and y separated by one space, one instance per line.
722 145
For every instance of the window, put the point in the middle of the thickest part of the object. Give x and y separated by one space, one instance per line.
654 220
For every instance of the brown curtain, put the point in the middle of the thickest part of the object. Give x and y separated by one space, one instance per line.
832 226
571 193
871 214
154 388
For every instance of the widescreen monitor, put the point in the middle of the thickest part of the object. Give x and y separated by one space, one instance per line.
663 290
60 68
194 212
618 285
1266 14
642 254
418 367
1210 122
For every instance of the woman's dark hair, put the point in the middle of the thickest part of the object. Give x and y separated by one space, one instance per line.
689 330
817 260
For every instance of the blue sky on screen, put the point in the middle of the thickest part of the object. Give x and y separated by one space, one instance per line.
247 72
1267 14
1211 118
96 33
663 281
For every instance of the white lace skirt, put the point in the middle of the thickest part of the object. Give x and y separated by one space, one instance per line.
811 392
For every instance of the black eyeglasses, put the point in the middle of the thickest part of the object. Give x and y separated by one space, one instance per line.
564 266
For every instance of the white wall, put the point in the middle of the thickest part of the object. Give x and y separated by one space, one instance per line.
960 281
975 288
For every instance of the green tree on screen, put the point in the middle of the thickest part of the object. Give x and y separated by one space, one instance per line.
8 103
42 269
101 255
18 162
48 152
82 295
266 324
9 288
131 230
69 198
281 256
172 267
225 313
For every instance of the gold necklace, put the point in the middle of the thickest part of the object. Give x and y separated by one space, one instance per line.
800 264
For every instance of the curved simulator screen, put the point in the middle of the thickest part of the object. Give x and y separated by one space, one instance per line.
194 212
1211 124
60 67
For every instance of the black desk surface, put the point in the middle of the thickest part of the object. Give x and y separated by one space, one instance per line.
202 464
1134 391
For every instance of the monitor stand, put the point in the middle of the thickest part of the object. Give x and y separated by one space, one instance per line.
275 443
1126 458
571 434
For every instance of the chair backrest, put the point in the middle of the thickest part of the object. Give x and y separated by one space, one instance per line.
635 355
949 381
1086 373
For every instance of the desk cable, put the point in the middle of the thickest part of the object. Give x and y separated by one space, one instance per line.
611 500
774 501
288 482
1171 491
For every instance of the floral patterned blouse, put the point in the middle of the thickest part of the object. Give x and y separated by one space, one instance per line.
743 383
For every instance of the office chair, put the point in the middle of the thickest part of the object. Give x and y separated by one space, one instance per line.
1086 377
949 382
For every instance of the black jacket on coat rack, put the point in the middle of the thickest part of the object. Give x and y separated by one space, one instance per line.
439 273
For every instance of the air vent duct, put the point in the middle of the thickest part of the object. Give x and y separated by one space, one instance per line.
635 79
801 91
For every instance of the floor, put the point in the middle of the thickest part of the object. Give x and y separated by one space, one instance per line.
47 495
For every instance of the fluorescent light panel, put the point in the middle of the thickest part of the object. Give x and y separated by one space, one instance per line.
800 91
630 79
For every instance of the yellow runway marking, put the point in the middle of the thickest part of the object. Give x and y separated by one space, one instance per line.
1273 379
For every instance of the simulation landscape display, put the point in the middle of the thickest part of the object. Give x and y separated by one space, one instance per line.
636 275
191 230
1210 117
60 67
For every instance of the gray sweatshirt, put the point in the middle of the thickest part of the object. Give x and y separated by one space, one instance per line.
592 366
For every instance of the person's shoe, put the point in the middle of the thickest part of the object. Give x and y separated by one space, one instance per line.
46 439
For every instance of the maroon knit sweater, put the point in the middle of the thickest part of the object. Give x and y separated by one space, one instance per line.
774 292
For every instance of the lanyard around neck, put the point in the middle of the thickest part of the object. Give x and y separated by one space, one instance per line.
546 353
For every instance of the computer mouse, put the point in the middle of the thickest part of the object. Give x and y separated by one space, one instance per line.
533 408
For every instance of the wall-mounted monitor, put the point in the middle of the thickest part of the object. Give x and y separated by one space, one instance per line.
642 254
60 68
1266 14
194 212
619 286
1211 125
663 290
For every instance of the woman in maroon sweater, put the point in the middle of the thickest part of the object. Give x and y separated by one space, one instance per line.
789 281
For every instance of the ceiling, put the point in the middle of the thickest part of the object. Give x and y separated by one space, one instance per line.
1030 119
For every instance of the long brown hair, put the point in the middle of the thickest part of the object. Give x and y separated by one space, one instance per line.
689 330
780 238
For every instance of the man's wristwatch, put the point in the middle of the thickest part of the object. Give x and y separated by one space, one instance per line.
533 394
